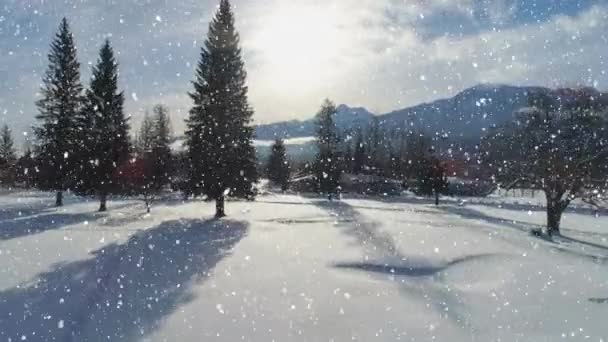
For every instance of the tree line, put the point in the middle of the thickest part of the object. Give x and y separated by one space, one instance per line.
396 154
559 144
82 141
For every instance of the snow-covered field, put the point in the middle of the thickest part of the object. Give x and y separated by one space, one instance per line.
291 268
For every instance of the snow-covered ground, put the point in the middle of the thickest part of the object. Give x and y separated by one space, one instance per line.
291 268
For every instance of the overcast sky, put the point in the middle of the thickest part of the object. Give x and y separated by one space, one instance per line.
380 54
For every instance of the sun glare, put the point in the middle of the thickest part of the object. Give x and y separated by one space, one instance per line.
298 41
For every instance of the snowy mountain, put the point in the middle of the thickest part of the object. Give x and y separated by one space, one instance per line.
467 114
347 117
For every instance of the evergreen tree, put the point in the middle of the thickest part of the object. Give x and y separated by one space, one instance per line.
145 136
58 108
376 148
7 147
105 128
418 146
432 178
160 149
327 165
181 174
26 169
359 156
8 158
348 158
278 168
219 136
400 157
149 172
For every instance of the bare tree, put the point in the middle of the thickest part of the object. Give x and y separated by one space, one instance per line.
558 145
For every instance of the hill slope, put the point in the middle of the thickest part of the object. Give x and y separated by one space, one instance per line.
467 114
347 117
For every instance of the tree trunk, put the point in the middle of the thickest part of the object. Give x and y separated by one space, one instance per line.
219 207
147 200
59 199
436 197
103 197
554 217
555 208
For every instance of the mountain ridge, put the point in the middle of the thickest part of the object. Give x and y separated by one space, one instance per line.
468 114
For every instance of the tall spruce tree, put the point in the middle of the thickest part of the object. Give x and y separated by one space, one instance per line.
150 170
8 158
432 178
145 136
359 155
278 168
327 164
219 136
105 128
348 157
58 108
7 146
377 147
25 169
160 149
417 147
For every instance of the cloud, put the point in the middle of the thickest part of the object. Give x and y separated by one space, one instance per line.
382 54
384 67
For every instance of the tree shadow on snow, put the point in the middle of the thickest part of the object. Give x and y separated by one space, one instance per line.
21 211
355 225
319 198
469 213
12 229
410 270
583 242
123 292
573 208
400 268
25 204
473 214
41 219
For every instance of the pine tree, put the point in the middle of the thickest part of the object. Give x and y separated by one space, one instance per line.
327 165
161 151
58 108
348 157
278 168
181 174
8 158
432 178
359 156
145 136
219 136
105 128
401 161
379 154
417 148
7 147
25 169
149 172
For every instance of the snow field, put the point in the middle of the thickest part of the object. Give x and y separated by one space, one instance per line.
297 268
